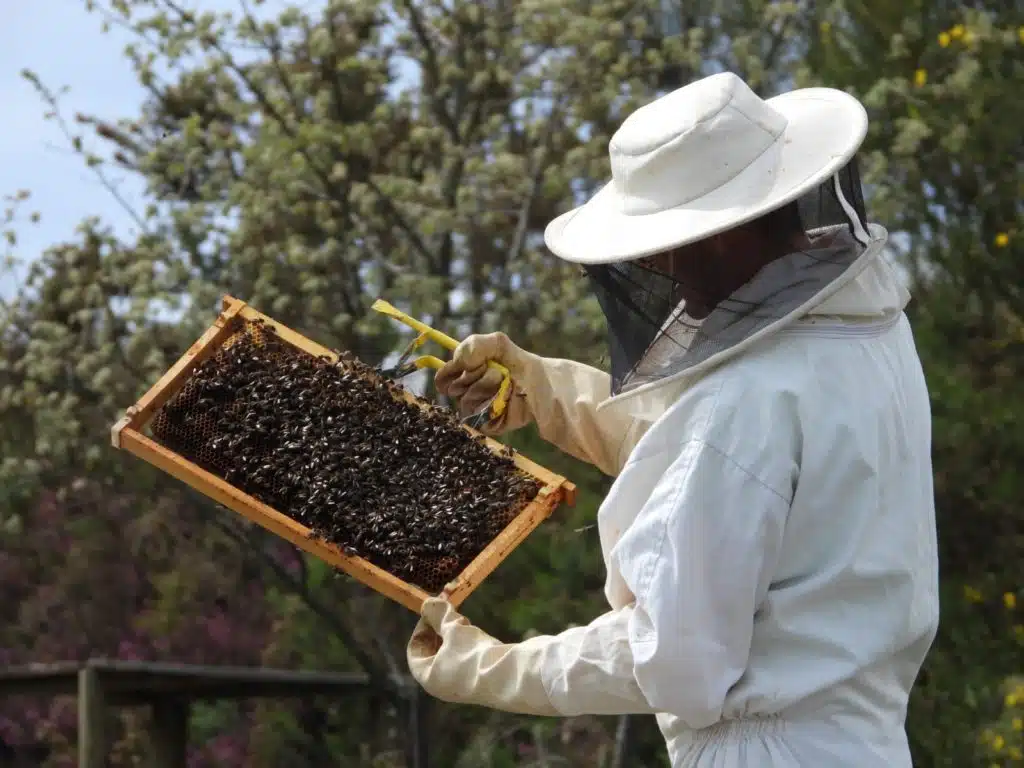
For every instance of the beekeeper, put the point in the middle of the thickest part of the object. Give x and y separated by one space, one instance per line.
770 535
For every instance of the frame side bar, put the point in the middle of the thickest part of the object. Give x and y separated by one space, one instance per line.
162 391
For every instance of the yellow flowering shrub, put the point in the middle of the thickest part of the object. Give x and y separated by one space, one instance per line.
1003 741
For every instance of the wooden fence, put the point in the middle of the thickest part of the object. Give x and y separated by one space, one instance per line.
169 690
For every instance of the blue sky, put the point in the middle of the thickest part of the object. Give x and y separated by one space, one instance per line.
66 46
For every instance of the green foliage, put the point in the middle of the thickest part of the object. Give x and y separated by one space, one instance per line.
961 694
313 160
1004 741
946 173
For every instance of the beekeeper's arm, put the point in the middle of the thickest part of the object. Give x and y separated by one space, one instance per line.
561 396
698 559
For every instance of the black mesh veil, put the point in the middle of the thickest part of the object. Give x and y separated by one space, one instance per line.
651 335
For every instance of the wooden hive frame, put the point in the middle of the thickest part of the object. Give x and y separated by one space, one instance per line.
127 434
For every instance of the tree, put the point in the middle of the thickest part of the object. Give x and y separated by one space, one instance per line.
947 179
312 161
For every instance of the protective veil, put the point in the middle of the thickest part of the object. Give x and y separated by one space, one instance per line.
770 536
652 338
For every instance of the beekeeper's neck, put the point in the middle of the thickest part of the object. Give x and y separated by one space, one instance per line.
717 267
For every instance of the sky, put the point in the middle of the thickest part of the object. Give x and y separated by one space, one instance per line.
33 153
65 45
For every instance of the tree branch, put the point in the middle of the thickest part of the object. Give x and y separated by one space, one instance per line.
317 169
272 43
543 761
775 46
247 539
333 192
621 751
53 103
536 177
433 71
336 196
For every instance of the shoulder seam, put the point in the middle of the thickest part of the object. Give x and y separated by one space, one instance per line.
742 468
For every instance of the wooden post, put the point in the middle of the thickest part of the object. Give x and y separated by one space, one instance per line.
169 735
92 717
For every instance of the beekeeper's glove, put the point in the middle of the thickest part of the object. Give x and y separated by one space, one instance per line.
560 395
582 670
457 662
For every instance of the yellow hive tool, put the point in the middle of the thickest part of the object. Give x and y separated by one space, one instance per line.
405 366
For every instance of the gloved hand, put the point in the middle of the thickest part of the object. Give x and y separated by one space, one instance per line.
583 670
560 395
468 378
457 662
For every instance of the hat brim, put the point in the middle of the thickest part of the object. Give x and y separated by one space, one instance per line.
825 128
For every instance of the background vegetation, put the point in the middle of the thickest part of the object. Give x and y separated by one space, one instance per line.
311 161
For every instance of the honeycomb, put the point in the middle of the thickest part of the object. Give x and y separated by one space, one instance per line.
193 437
409 490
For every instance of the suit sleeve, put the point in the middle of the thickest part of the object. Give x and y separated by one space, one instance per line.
564 396
699 559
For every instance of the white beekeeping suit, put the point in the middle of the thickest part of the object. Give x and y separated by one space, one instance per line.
770 534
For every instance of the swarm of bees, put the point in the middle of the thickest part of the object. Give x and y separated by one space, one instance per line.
330 444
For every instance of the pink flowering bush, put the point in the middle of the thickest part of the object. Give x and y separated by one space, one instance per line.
90 578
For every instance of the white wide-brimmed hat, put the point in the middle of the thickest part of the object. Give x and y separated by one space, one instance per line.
704 159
